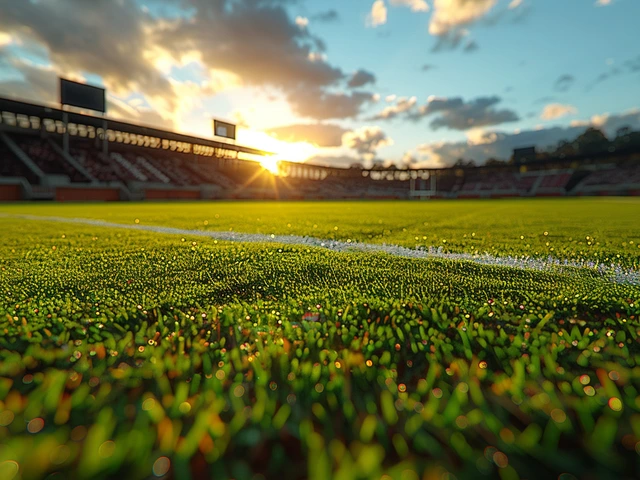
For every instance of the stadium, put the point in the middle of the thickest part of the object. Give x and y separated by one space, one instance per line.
231 251
141 163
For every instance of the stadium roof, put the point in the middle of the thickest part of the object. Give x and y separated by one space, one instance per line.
56 114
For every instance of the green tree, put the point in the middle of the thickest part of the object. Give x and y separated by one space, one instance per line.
592 141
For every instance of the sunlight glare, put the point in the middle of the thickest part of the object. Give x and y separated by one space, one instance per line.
282 151
270 163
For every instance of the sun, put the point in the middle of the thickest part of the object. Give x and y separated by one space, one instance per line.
282 151
271 164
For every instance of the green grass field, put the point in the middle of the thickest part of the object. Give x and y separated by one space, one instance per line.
598 229
136 354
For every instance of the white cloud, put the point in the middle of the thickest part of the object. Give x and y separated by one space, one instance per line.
402 105
453 113
366 141
324 135
322 105
580 123
611 123
500 145
459 114
5 39
557 110
603 3
390 98
360 78
414 5
478 136
302 22
429 155
378 14
317 57
450 15
515 4
599 120
136 102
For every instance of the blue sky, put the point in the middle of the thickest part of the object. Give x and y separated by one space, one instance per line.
501 72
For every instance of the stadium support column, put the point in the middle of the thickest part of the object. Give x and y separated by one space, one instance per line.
433 183
412 186
105 139
65 134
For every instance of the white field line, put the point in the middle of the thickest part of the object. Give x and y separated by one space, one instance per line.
612 272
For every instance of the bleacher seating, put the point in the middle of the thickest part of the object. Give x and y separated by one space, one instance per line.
211 173
489 184
174 168
164 173
93 161
553 182
526 183
447 183
127 169
12 166
495 183
47 159
611 180
152 173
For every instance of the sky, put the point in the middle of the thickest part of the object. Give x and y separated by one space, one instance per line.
337 82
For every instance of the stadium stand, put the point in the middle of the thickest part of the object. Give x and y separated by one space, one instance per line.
611 181
97 166
42 152
551 183
211 174
12 167
143 163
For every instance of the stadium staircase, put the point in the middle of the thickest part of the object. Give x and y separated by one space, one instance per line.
95 165
144 164
55 167
128 166
18 162
536 184
72 161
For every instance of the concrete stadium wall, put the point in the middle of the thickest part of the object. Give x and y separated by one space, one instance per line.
87 194
170 194
9 193
385 197
550 194
504 195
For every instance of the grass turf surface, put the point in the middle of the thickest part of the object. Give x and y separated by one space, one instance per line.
598 229
134 354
